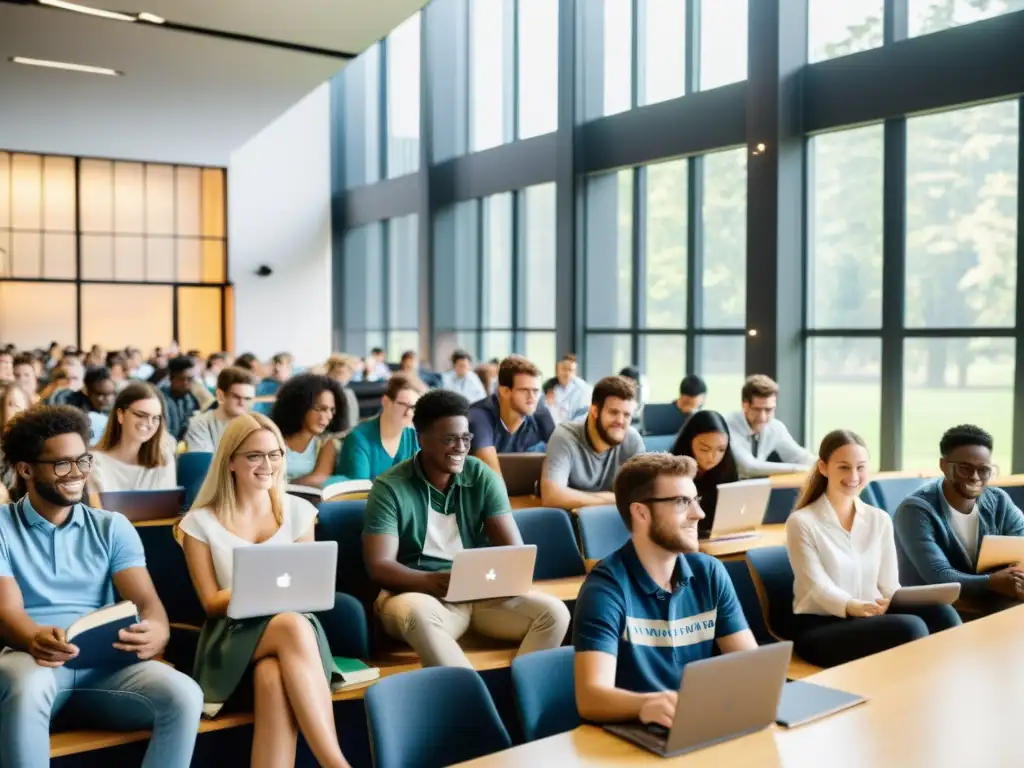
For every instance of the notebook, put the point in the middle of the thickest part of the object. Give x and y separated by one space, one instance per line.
352 672
806 702
95 634
329 491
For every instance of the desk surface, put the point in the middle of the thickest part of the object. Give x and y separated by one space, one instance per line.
767 536
947 701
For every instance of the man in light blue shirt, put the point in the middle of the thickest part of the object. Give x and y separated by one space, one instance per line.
463 379
572 394
60 560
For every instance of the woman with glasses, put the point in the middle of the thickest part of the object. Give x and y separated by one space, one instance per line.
242 503
705 439
380 443
309 407
135 453
844 566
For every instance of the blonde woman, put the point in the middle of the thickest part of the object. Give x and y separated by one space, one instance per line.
242 503
135 454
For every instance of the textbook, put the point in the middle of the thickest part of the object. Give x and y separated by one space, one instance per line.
95 635
330 491
802 703
351 672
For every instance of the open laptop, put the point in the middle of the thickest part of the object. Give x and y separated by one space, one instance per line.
521 472
276 578
489 572
740 509
142 506
720 698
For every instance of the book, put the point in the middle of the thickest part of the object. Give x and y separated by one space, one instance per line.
330 491
350 672
802 703
95 635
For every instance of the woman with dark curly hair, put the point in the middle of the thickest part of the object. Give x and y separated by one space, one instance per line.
307 407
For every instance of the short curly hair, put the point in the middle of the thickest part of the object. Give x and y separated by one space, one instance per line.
964 434
297 397
436 405
26 434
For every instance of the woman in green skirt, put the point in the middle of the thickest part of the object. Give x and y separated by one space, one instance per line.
242 503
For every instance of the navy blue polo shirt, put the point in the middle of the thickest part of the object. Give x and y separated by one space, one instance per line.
654 633
489 430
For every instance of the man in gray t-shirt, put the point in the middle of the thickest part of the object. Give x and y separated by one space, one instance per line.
583 457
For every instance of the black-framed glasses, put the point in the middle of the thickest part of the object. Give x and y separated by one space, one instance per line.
681 503
450 441
406 407
966 471
62 467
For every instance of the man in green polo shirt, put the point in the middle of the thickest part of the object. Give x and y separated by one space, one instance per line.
419 515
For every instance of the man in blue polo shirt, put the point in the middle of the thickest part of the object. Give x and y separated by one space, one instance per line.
655 605
60 560
512 420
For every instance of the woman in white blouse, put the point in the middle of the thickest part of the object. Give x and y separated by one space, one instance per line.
242 503
135 452
844 565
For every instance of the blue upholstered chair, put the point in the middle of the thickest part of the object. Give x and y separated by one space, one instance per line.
550 530
544 692
192 469
601 531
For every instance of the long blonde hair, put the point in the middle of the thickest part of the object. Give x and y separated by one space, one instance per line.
817 482
218 490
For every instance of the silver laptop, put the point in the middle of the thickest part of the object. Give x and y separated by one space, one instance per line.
740 509
276 578
720 698
489 572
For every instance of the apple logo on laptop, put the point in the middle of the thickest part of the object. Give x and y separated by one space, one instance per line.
284 581
491 575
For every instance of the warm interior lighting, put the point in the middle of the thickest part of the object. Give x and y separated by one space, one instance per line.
87 10
65 65
152 18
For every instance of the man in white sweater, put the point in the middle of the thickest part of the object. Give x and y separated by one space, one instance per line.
760 443
236 389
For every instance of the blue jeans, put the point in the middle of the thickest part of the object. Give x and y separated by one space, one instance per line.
148 694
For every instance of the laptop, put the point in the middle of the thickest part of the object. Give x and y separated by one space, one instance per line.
142 506
740 509
521 472
720 698
277 578
489 572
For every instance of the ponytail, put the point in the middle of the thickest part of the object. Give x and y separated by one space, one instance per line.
816 482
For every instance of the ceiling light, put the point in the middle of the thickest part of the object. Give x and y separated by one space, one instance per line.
152 18
87 10
65 65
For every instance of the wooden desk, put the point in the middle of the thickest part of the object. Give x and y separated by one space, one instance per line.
925 698
525 502
734 549
797 479
563 589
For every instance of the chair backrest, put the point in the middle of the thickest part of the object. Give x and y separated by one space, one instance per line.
192 469
889 492
545 693
1016 494
368 395
409 730
139 506
780 504
558 557
659 443
772 575
342 521
521 472
165 562
662 419
601 531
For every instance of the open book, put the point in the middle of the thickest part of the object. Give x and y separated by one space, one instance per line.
332 490
95 635
350 672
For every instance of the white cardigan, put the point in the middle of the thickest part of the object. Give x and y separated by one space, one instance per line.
832 567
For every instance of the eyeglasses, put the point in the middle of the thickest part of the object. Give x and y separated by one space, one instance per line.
256 459
62 467
967 471
681 503
147 418
449 441
406 407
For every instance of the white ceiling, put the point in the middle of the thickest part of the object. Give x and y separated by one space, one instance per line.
184 97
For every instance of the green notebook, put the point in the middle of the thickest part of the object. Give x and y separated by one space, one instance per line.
349 672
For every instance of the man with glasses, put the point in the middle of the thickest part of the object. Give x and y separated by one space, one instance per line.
760 443
236 388
940 526
513 419
60 560
423 512
654 605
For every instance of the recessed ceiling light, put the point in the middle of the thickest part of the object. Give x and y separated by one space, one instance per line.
152 18
87 9
65 65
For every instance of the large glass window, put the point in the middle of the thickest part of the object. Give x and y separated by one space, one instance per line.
497 262
720 361
935 15
608 72
609 259
403 299
723 42
665 286
537 278
662 50
362 84
962 217
844 390
725 240
663 361
839 28
845 221
490 73
538 67
403 90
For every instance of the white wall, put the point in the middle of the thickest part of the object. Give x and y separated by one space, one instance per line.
279 214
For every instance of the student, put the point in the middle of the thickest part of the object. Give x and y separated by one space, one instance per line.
236 389
378 444
633 608
13 401
95 399
583 456
280 372
377 368
462 378
242 503
423 512
305 409
572 394
6 366
248 361
844 566
180 402
639 380
25 375
760 443
940 526
549 398
215 363
512 420
692 391
133 454
705 439
59 560
342 368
